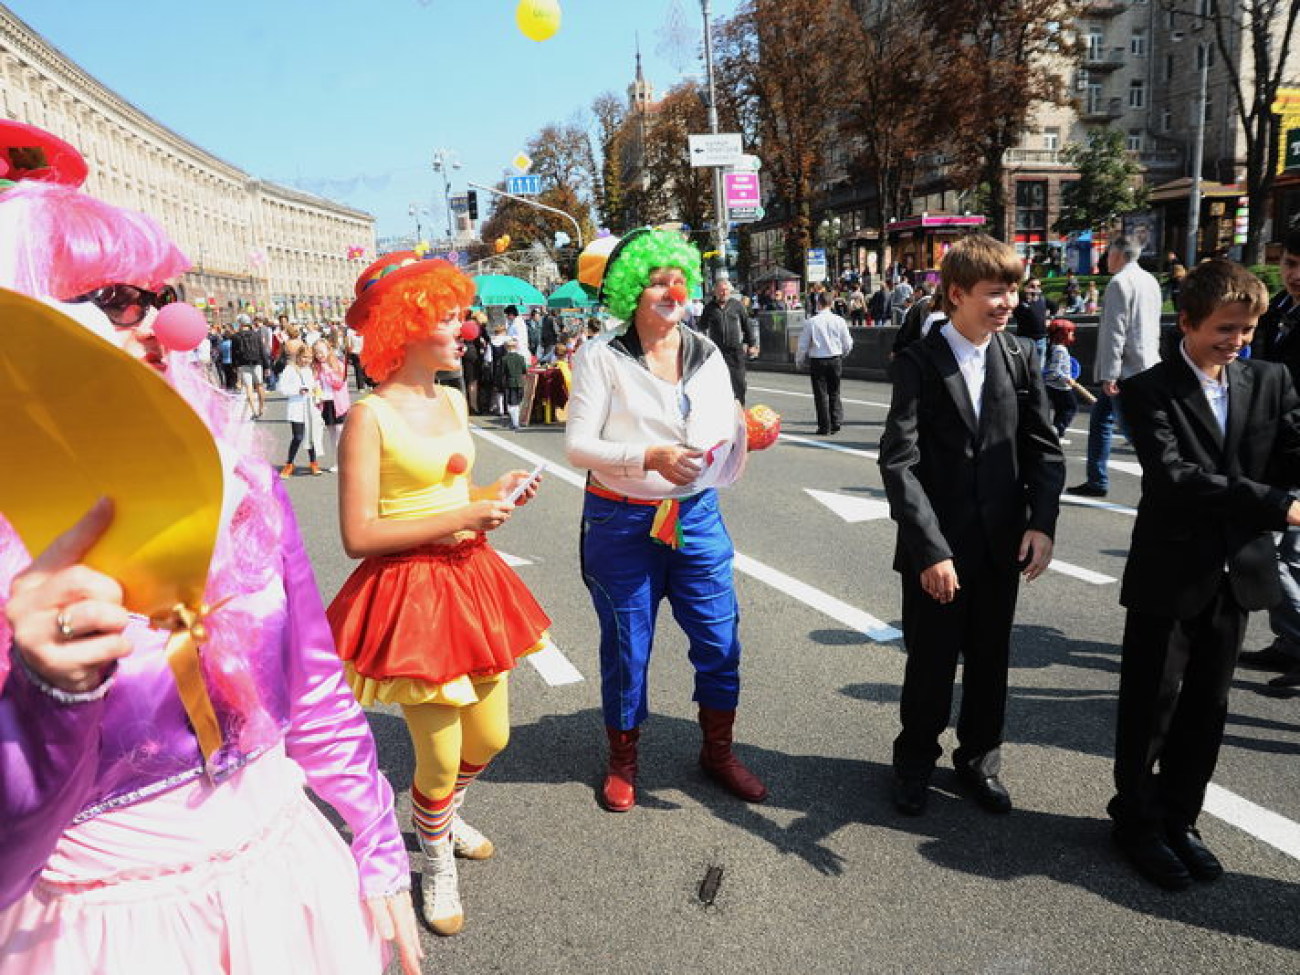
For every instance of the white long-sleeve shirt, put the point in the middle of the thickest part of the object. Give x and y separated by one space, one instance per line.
824 336
618 407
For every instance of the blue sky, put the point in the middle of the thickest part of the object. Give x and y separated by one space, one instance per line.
318 93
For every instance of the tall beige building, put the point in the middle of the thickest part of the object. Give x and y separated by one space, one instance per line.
253 243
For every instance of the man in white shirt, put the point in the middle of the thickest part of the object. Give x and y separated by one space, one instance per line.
823 344
1128 342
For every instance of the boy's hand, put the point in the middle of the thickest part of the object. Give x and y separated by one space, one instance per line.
1035 554
940 581
1293 513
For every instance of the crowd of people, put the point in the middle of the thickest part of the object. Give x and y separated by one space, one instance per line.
196 842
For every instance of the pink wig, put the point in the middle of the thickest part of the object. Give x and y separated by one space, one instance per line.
56 241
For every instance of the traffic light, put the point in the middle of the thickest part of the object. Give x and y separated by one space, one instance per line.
472 204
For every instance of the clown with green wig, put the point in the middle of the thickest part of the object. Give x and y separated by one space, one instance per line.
652 417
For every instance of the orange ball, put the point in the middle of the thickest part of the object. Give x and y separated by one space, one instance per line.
762 427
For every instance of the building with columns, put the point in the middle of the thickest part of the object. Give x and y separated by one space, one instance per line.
254 244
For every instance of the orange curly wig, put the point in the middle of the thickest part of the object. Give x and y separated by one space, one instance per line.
408 310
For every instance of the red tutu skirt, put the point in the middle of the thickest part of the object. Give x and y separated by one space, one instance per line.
435 614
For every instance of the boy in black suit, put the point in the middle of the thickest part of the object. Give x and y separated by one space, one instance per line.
974 473
1219 442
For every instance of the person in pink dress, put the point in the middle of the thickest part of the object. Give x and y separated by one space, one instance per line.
122 847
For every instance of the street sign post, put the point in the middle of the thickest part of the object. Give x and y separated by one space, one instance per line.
743 195
524 185
716 149
816 265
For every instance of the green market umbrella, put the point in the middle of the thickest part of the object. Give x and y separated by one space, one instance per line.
502 289
571 294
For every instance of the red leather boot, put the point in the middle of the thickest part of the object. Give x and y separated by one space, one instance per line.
720 764
618 792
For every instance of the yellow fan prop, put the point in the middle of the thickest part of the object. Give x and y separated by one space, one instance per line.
83 420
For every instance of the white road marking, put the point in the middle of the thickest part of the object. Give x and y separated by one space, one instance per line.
1082 502
1125 467
828 445
514 561
836 609
810 596
851 509
1079 572
554 666
1263 824
797 395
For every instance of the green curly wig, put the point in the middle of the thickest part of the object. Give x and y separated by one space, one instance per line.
629 272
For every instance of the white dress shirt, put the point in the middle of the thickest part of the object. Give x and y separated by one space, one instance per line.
617 408
824 336
970 360
1215 390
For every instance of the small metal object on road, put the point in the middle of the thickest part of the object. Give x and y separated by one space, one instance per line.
709 885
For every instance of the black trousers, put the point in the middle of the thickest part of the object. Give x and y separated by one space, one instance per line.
1175 676
826 392
975 626
735 360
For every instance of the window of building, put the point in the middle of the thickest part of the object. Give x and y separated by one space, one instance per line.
1169 67
1137 45
1096 45
1134 140
1166 120
1052 139
1031 209
1137 93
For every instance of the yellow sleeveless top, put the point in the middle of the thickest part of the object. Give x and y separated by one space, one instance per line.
414 481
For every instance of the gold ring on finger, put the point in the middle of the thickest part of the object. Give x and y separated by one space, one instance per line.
64 624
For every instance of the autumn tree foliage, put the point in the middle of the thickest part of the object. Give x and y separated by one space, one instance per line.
610 113
1253 41
782 71
675 190
997 60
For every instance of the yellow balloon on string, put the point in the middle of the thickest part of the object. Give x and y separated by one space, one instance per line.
538 19
84 420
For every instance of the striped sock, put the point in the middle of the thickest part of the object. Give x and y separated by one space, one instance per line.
467 774
432 817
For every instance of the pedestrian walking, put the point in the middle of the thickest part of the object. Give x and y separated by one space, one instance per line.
823 344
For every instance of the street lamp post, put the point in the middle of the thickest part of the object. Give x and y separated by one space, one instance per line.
1198 156
415 211
442 159
719 202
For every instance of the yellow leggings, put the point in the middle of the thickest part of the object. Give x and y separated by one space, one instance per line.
444 735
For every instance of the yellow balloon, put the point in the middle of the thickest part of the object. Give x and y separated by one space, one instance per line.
154 457
538 19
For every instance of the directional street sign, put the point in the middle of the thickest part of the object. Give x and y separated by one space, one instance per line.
816 265
716 149
524 185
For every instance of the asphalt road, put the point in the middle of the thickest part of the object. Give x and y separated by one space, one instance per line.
825 876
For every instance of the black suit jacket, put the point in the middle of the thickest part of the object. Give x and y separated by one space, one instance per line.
1209 500
1278 337
959 487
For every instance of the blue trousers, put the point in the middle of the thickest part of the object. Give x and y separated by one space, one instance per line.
1101 430
628 574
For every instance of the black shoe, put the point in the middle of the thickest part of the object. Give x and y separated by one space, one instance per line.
835 429
987 790
910 795
1152 858
1186 844
1270 658
1288 680
821 433
1086 490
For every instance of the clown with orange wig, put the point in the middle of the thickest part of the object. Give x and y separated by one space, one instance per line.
433 619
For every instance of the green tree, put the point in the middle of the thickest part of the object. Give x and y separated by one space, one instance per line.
1109 183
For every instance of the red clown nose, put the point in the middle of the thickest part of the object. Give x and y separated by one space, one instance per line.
677 293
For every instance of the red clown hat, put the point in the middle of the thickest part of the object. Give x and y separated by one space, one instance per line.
27 152
382 275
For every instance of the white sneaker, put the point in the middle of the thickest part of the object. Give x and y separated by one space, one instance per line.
468 842
332 470
441 889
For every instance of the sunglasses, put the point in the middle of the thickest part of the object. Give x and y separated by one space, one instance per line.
125 304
